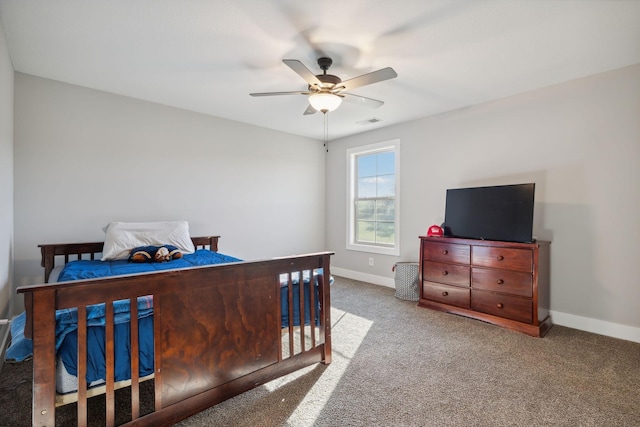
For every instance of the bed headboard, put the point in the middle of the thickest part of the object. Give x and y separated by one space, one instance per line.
89 250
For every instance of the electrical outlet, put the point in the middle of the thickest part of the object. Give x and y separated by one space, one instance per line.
371 262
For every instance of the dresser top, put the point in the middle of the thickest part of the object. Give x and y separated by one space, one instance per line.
477 242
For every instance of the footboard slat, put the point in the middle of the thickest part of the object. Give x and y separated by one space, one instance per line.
135 362
110 364
290 302
158 384
82 365
312 314
301 305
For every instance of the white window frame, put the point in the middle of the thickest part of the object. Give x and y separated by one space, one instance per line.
392 145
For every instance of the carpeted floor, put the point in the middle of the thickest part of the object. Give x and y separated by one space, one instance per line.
395 364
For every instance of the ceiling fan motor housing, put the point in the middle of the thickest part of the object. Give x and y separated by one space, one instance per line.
328 81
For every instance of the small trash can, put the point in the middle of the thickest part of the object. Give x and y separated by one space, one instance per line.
406 279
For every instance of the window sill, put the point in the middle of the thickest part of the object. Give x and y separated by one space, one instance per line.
374 249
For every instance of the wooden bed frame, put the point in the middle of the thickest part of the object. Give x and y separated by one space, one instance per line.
217 331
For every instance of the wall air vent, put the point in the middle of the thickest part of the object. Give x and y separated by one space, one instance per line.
369 121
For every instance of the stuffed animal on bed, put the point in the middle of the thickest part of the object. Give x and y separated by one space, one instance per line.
154 253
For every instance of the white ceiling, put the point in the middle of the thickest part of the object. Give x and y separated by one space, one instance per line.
208 55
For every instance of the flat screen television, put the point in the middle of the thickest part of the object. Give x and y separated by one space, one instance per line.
503 212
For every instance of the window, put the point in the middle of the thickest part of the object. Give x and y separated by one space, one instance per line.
372 223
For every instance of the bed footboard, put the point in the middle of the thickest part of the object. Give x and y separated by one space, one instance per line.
217 333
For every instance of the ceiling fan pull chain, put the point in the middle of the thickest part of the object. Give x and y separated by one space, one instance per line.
326 132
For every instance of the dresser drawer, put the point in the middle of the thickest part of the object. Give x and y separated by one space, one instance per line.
451 274
510 307
498 257
445 294
446 252
505 281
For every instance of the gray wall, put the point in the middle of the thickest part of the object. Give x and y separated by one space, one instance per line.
84 158
6 178
578 141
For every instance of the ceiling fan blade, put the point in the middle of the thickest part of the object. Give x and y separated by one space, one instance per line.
279 93
302 71
367 79
361 100
309 110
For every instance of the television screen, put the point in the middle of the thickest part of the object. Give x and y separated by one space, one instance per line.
503 212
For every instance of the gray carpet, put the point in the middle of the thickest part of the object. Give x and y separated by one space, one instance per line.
395 364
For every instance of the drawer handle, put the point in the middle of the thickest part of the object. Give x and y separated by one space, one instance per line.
500 305
444 252
499 281
445 272
499 257
445 293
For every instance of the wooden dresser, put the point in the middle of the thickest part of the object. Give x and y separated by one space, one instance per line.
503 283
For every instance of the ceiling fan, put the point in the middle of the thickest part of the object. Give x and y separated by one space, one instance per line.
326 91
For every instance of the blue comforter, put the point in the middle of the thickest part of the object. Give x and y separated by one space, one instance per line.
90 269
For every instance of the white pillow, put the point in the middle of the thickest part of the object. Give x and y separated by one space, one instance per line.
121 237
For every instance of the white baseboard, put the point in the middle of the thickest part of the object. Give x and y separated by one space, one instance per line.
364 277
600 327
5 333
587 324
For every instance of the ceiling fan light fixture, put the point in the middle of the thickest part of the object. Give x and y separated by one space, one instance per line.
324 102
